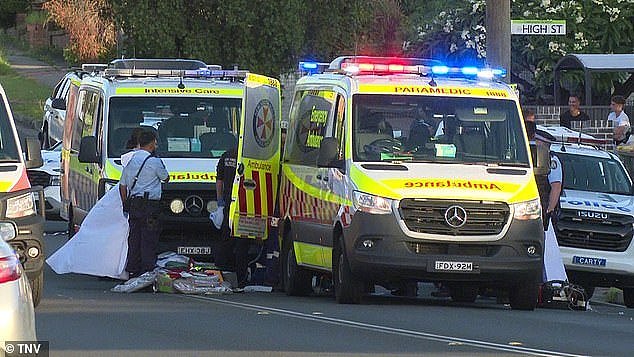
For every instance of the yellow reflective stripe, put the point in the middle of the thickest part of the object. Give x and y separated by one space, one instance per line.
327 252
5 185
308 254
193 176
75 82
527 192
112 172
435 91
177 91
312 190
456 184
370 185
260 79
65 154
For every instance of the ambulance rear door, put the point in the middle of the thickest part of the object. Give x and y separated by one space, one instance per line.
254 194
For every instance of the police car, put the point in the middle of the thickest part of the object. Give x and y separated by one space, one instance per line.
398 170
596 221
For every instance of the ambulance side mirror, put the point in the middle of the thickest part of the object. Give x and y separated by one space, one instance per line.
541 158
88 150
329 154
33 153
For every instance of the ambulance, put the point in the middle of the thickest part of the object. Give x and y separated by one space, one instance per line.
198 112
21 220
400 170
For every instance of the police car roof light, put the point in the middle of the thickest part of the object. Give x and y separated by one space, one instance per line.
313 67
93 67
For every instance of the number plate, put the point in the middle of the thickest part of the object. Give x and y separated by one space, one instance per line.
194 250
453 266
600 262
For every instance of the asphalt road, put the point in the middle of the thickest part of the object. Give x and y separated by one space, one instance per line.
81 317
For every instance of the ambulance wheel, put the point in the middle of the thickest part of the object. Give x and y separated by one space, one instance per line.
628 297
297 281
464 293
523 296
348 289
37 287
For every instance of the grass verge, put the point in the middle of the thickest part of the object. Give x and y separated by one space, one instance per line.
25 95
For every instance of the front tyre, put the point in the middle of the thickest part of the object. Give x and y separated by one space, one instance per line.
348 290
37 288
297 281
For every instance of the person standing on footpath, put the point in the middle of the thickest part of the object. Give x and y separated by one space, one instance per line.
573 113
622 129
140 190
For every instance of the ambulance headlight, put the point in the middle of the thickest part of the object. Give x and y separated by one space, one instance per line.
371 204
177 206
528 210
7 231
21 206
212 206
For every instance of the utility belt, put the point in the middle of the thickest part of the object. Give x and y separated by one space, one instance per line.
140 203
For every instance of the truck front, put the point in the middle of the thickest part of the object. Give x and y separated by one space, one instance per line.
195 125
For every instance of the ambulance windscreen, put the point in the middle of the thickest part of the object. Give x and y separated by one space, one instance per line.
185 127
8 147
438 129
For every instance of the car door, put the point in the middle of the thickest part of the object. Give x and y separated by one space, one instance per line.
303 180
255 186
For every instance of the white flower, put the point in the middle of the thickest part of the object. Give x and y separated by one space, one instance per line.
545 3
530 46
551 10
598 2
579 19
579 36
553 46
453 48
464 34
470 44
527 13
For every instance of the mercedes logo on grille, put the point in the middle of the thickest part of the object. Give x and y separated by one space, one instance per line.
456 216
194 205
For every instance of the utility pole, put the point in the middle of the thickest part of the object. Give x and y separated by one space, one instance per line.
498 28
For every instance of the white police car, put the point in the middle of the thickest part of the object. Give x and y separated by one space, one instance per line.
596 220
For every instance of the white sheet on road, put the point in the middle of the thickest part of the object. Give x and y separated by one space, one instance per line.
100 247
553 263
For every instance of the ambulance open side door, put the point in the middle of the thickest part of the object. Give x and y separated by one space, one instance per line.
254 193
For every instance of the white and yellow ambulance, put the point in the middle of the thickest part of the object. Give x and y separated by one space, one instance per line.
399 170
198 112
21 219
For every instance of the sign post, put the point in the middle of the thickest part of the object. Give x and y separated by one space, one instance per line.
538 27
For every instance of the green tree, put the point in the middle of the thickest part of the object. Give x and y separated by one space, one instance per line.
8 10
593 26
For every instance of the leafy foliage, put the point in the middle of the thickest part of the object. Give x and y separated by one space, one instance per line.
593 26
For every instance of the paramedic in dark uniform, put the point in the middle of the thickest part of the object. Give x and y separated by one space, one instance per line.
230 253
141 183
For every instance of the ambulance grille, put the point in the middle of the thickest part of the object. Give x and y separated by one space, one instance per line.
428 216
613 234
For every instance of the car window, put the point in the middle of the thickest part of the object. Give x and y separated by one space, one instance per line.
8 146
594 174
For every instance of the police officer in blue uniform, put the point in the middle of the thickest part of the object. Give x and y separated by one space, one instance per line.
140 189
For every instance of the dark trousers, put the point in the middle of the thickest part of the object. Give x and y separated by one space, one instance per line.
232 253
145 229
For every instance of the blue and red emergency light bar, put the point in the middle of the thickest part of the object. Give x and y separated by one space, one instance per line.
358 65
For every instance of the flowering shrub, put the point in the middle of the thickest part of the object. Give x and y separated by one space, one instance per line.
592 26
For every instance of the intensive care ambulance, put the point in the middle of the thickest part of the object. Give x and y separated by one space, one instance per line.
401 170
198 112
595 223
21 220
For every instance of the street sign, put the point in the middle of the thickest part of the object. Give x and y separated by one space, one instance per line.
538 27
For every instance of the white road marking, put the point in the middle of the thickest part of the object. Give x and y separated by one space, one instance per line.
385 329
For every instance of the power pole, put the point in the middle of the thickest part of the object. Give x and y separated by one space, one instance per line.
498 28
